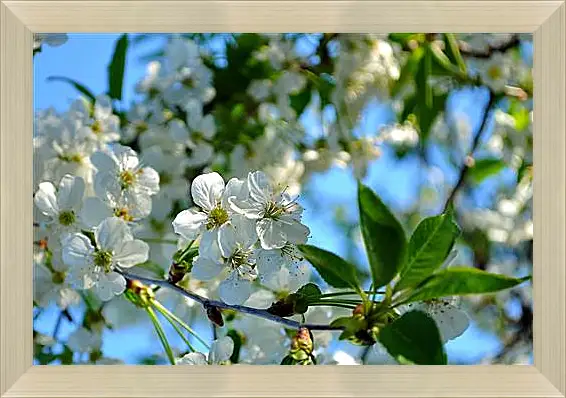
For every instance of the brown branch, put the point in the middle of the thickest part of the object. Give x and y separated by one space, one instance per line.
262 313
467 163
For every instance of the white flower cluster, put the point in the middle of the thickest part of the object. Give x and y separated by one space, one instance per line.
246 228
90 195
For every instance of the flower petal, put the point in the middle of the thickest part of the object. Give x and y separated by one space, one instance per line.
94 211
207 189
147 181
131 253
233 290
193 358
77 250
104 162
205 269
259 187
109 285
112 233
189 223
270 234
46 200
221 350
71 192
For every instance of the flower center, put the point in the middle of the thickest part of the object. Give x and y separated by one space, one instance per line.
71 158
96 127
58 277
67 217
124 214
494 72
239 258
103 259
273 210
127 179
188 82
141 127
216 218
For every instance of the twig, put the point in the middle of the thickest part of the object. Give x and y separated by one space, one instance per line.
466 166
467 50
219 304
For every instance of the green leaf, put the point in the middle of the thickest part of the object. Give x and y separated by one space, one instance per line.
408 71
383 235
452 50
335 271
484 168
117 67
461 281
309 292
300 101
79 87
414 337
429 246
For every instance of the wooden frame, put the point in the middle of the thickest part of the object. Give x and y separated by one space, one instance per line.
19 19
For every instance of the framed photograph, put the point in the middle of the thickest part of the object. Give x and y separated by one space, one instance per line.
271 190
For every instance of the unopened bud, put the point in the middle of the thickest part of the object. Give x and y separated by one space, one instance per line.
215 315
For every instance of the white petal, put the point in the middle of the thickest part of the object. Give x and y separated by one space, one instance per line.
178 131
236 189
189 223
233 290
147 181
259 187
296 232
106 185
270 234
127 157
193 358
131 253
206 190
451 321
201 154
245 230
102 107
269 262
221 350
71 192
112 233
227 240
139 205
104 162
109 285
208 244
249 208
46 200
94 211
205 269
77 250
208 127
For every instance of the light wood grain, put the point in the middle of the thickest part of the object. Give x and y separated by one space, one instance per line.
285 381
15 198
17 18
550 199
282 16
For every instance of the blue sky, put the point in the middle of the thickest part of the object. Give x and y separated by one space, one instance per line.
84 58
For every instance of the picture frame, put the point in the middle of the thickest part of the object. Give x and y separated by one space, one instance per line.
20 19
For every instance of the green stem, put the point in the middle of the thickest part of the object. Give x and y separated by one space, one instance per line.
158 240
352 293
161 334
333 304
181 323
174 324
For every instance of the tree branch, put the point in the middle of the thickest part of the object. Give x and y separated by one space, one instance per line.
467 164
467 50
262 313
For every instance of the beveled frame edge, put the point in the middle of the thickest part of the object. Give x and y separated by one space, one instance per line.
18 19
